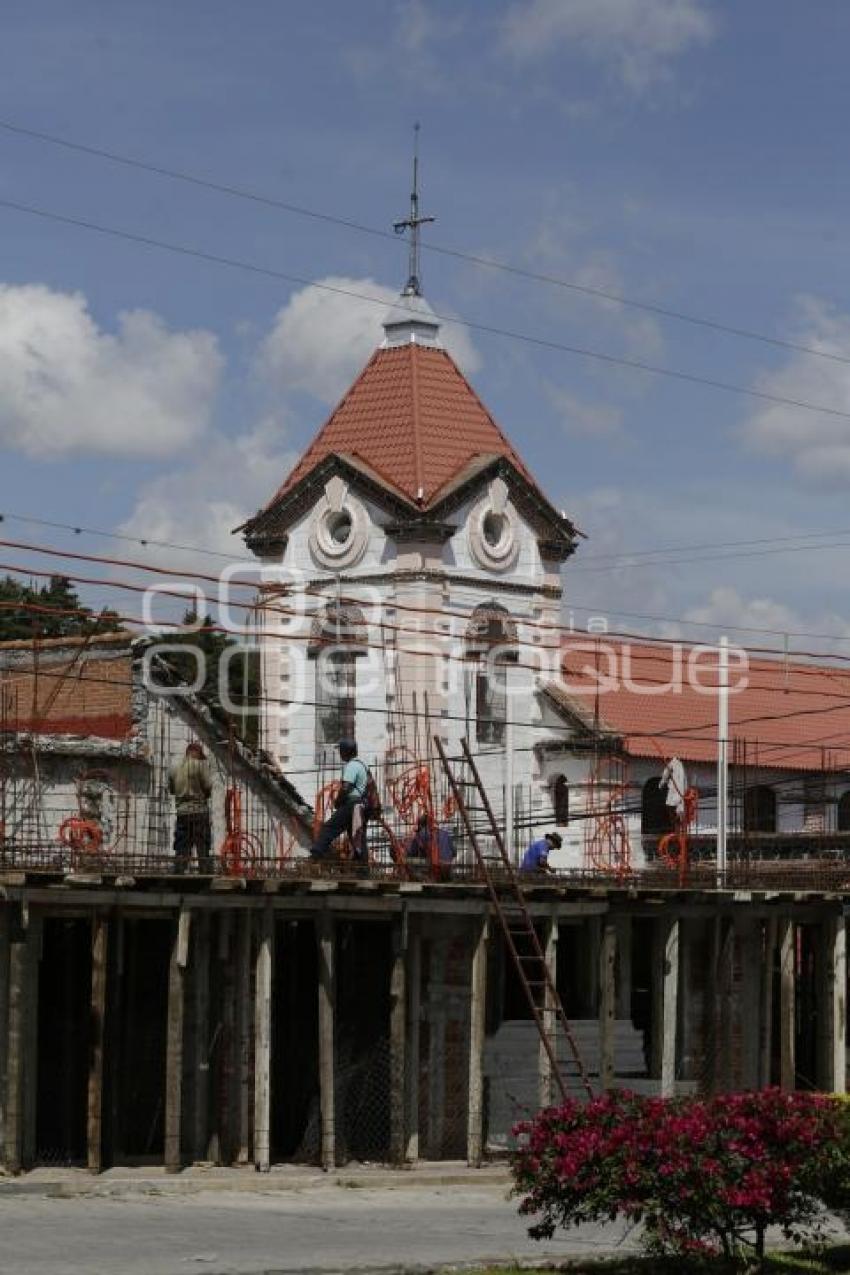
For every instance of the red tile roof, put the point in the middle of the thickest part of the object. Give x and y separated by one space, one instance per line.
789 714
414 420
92 699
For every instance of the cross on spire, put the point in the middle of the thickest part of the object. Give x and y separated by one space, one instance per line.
413 287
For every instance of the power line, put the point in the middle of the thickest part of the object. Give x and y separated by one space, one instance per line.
525 338
615 562
489 263
321 590
666 735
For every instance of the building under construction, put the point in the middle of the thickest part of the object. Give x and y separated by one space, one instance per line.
267 1008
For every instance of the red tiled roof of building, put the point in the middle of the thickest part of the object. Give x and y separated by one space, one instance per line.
791 715
414 420
83 697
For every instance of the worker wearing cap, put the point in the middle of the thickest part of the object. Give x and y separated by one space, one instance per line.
348 806
190 783
536 857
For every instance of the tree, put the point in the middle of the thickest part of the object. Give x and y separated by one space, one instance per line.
242 671
48 611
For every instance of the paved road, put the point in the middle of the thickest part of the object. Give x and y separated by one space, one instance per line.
328 1229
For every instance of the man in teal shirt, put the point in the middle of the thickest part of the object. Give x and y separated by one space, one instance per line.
352 794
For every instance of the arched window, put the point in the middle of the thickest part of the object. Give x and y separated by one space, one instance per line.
654 819
337 638
844 812
561 800
490 647
760 809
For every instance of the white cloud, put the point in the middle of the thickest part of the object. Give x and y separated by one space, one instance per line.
559 246
199 505
726 606
818 445
580 418
638 37
321 339
67 386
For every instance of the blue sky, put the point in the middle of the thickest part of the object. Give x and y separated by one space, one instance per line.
687 153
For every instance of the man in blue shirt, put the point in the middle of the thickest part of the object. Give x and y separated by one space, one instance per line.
420 843
536 857
349 801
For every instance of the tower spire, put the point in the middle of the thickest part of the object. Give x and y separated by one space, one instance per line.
413 287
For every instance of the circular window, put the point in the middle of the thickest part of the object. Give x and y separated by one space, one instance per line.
493 528
493 536
339 527
338 537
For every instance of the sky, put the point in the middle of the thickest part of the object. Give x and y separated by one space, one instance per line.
688 155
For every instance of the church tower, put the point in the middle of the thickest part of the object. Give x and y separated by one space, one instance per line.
413 572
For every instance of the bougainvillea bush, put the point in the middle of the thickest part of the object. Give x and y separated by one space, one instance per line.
703 1176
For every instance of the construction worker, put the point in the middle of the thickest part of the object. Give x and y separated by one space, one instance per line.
349 815
419 846
536 857
190 783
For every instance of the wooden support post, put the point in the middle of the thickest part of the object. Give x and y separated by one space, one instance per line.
835 988
174 1043
787 1005
477 1020
201 1052
5 929
545 1096
414 997
263 1041
15 1048
398 1041
97 1033
34 940
244 1043
766 1013
670 1007
623 926
723 958
749 1002
436 1042
327 1008
607 1003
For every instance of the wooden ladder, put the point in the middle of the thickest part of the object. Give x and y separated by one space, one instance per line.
509 904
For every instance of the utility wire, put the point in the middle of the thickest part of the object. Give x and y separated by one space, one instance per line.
322 591
615 560
489 263
525 338
683 732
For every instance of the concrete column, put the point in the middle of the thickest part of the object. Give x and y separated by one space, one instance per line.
327 1007
201 1023
477 1014
398 1042
670 1006
723 952
550 951
263 1041
787 1004
607 1004
174 1043
414 998
97 1030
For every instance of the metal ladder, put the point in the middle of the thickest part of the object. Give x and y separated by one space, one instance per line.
523 943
